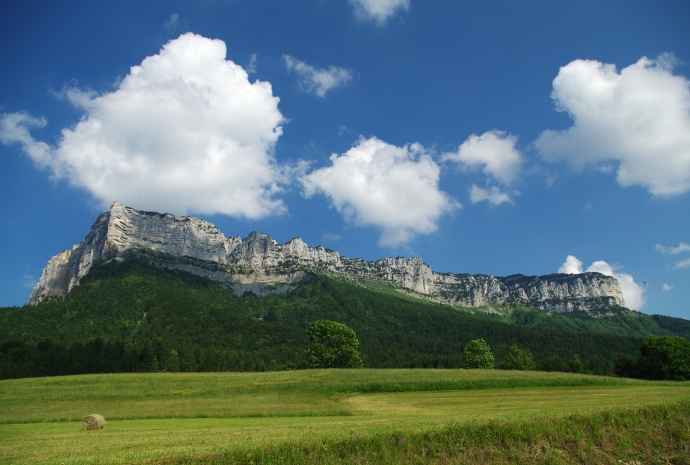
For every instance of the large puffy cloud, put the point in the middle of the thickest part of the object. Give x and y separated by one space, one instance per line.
392 188
378 10
639 119
318 81
633 293
185 131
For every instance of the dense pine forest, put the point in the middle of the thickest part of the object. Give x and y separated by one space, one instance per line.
130 316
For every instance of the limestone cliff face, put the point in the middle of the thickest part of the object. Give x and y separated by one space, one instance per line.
259 264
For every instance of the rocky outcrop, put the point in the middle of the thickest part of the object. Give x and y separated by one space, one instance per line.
55 279
259 264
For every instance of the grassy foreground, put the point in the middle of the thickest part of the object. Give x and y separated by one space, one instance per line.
231 395
345 416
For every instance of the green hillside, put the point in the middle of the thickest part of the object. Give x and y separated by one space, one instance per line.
612 320
129 316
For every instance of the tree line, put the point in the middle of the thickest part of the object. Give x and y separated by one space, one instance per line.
333 345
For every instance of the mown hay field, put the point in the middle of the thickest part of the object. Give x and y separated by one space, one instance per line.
312 416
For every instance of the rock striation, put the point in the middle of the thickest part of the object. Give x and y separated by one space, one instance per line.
261 265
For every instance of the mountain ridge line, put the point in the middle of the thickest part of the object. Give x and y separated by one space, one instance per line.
261 265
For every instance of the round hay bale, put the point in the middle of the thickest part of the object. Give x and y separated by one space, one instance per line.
93 421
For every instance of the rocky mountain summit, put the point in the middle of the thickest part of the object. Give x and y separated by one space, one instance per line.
259 264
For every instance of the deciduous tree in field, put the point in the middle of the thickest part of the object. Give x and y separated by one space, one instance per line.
333 345
518 359
664 357
477 354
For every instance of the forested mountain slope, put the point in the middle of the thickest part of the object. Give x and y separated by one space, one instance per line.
606 320
148 310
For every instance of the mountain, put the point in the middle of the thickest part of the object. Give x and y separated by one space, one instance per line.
262 266
147 292
130 315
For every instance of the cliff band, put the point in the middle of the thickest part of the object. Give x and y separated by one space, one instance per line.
259 264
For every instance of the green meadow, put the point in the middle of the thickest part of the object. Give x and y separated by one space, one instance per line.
335 416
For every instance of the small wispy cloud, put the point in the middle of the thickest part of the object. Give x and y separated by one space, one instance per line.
682 247
317 81
378 10
493 195
78 97
171 23
251 67
332 237
666 287
28 281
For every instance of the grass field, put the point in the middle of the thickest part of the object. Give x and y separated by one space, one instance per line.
312 416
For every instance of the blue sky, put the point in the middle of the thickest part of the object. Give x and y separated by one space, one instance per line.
489 137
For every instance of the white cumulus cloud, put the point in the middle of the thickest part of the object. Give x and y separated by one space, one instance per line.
493 152
639 119
185 131
378 10
571 266
493 195
633 293
666 287
683 264
392 188
318 81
